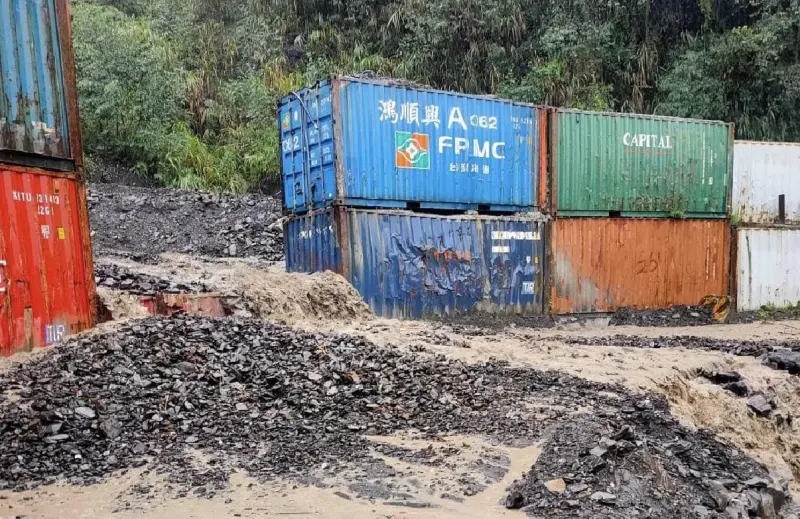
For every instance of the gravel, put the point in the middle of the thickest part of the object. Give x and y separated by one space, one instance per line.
673 316
148 222
279 402
635 463
115 277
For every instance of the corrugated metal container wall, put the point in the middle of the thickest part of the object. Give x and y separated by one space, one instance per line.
34 109
639 165
768 268
380 144
603 264
409 265
761 172
46 278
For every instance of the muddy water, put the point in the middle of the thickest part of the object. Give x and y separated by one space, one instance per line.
672 372
300 300
118 498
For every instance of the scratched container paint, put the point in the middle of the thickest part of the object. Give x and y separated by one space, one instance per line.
603 264
46 278
383 144
408 265
38 102
609 164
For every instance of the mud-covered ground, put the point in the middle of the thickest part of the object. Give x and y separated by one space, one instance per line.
304 404
146 222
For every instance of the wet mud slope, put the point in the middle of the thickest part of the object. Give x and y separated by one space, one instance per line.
195 400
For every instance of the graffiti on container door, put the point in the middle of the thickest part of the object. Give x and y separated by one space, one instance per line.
319 231
413 148
44 202
647 265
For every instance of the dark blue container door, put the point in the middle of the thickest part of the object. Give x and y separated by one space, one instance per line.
310 243
293 150
319 128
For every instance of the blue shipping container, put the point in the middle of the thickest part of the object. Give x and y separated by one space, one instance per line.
410 265
33 103
376 143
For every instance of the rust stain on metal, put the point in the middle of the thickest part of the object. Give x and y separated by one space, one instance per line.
207 305
602 264
543 156
64 16
39 121
450 255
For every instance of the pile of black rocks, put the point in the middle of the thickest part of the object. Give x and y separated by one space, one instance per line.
279 402
273 399
155 221
636 464
115 277
673 316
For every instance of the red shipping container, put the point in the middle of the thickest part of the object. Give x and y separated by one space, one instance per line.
46 274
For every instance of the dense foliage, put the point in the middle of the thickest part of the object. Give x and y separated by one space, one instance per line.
186 90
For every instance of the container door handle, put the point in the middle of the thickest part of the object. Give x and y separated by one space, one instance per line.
3 276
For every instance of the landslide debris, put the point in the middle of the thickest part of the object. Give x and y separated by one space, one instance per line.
778 354
673 316
115 277
635 464
149 222
280 402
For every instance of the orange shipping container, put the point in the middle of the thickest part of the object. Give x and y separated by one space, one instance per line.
602 264
46 273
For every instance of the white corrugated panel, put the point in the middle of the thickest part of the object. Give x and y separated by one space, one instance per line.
761 172
769 268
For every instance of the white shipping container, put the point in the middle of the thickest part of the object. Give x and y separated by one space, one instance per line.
761 172
768 268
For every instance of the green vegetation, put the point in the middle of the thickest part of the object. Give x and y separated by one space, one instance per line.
772 312
186 90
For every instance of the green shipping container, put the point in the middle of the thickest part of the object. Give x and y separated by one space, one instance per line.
607 164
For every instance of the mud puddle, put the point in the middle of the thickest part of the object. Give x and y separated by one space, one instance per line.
416 490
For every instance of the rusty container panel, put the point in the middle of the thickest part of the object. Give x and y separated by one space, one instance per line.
38 98
33 106
603 264
411 265
47 287
762 172
611 164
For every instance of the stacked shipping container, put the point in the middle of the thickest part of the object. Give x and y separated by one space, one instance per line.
359 155
640 205
637 205
766 207
46 278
